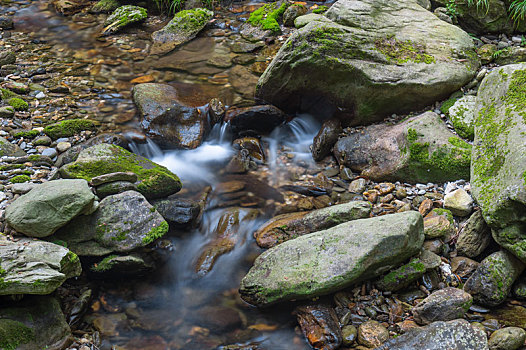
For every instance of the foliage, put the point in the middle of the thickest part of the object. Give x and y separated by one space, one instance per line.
517 10
171 7
451 8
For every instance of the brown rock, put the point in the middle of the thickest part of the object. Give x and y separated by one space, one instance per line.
463 266
262 119
425 207
326 138
372 334
320 326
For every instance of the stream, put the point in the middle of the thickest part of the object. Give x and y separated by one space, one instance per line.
192 302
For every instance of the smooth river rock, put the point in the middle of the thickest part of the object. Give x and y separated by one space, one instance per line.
452 335
498 164
370 59
49 206
332 259
35 267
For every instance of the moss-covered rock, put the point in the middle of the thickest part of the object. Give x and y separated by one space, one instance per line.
67 128
419 149
36 322
491 282
18 104
329 260
498 170
35 267
122 223
122 17
105 6
365 62
154 180
462 116
19 179
182 28
292 12
402 276
267 16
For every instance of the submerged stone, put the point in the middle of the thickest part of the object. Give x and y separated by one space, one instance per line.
332 259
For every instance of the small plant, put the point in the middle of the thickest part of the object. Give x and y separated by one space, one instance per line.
20 179
451 9
498 53
517 11
523 40
480 4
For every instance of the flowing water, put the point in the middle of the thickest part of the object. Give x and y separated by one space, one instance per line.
192 301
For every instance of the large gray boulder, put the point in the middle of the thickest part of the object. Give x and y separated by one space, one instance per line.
326 261
34 323
182 28
373 58
420 149
167 121
454 335
49 206
154 180
122 223
498 168
35 267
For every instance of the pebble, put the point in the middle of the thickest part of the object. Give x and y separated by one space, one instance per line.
372 334
357 186
50 152
459 202
63 146
40 95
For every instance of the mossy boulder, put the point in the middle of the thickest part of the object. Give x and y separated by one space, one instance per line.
10 150
36 322
462 116
122 266
419 149
491 282
154 180
35 267
67 128
122 223
368 60
402 276
122 17
327 261
182 28
267 16
498 169
285 227
49 206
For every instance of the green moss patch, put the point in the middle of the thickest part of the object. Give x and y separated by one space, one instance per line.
401 52
267 16
444 108
13 334
190 20
18 104
31 134
156 232
105 264
320 9
67 128
20 179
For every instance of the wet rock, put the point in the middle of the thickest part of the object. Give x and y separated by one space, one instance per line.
463 266
122 17
115 266
326 138
253 146
292 12
220 57
402 277
49 152
34 323
182 28
508 338
49 206
262 119
443 305
177 211
332 259
243 81
107 324
492 281
7 57
383 73
218 318
474 236
357 186
122 223
438 226
372 334
10 150
6 22
349 335
35 267
456 334
508 315
459 202
167 121
462 116
115 187
216 110
319 324
288 226
154 181
111 177
499 155
419 149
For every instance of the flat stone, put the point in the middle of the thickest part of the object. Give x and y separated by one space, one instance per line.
111 177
